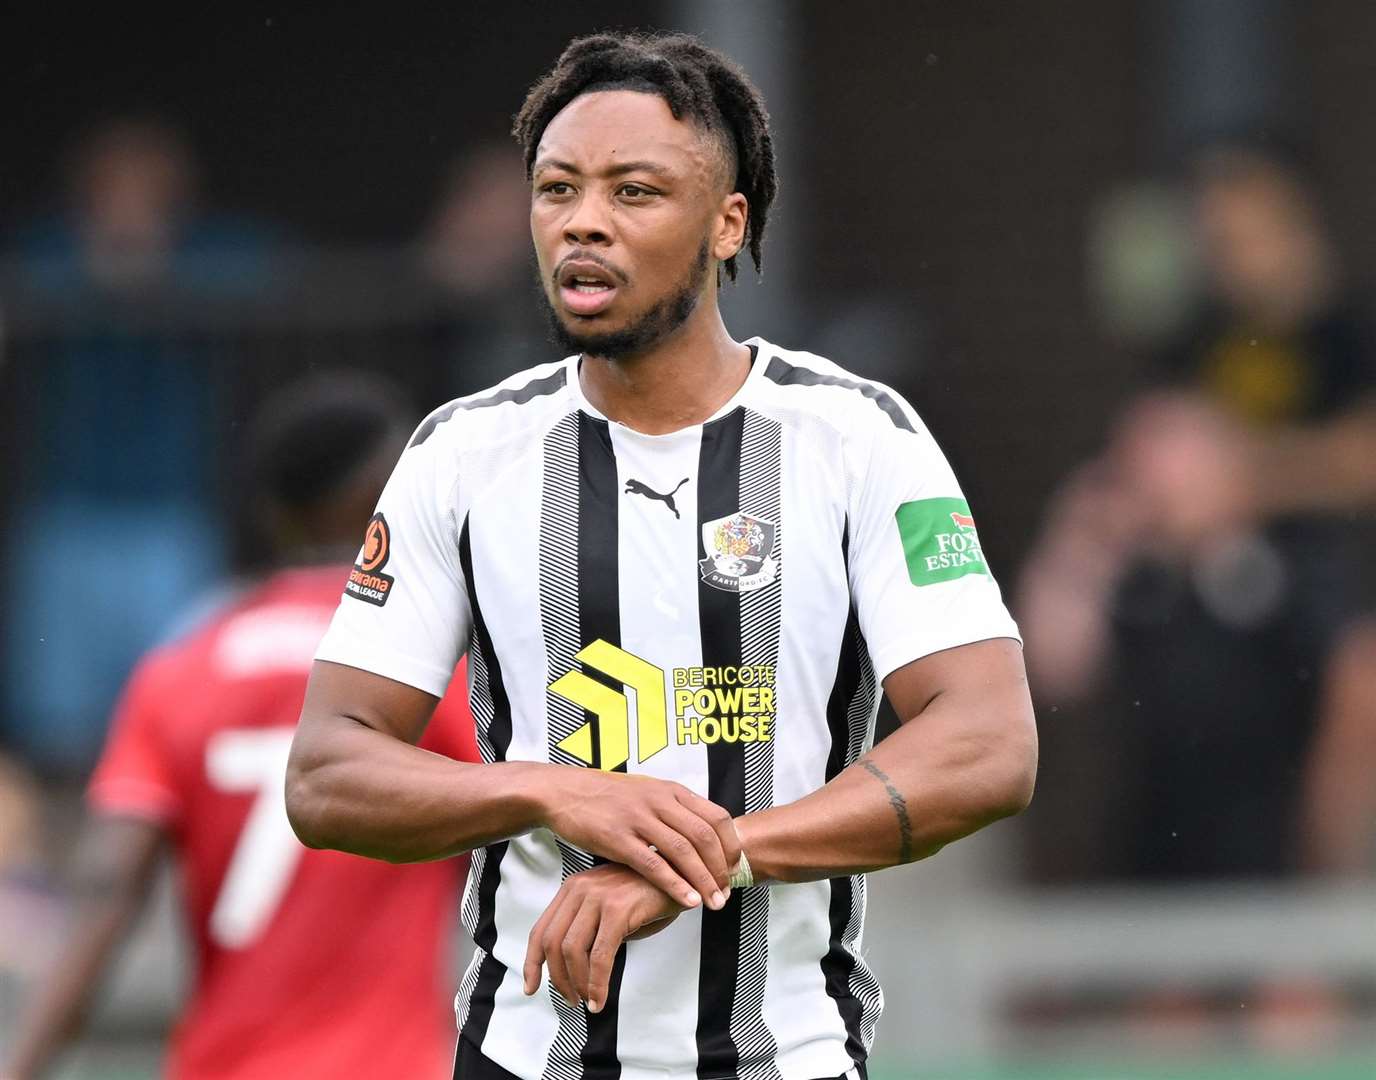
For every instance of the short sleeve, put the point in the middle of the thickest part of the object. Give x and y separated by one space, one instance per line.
404 613
918 575
135 775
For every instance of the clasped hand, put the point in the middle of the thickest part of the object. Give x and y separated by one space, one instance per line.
669 850
579 934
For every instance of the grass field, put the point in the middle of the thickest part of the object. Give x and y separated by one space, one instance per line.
133 1064
1363 1068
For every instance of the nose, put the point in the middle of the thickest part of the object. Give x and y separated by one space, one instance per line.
589 222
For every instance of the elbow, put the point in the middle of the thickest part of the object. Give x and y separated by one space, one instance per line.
1009 776
1015 773
305 805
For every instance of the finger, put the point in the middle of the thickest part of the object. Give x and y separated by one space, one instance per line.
679 851
611 931
578 943
721 822
642 856
535 945
555 931
704 838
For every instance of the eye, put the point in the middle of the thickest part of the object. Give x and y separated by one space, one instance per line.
635 191
556 188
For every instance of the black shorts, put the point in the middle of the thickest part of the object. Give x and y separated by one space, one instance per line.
469 1064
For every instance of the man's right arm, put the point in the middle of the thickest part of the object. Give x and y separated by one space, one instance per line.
357 782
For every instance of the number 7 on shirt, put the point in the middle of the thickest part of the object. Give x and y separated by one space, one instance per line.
267 851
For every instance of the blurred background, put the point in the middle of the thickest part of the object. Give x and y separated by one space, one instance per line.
1117 255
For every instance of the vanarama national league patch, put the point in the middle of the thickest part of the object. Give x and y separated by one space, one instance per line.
366 581
939 540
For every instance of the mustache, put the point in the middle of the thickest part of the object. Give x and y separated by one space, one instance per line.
592 257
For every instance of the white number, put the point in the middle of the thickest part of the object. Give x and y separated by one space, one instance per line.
267 852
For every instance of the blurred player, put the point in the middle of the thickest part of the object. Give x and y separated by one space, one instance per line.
308 963
742 541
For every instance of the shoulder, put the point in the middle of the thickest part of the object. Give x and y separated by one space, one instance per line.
527 400
803 382
155 683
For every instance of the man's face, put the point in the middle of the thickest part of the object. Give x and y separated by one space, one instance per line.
628 208
1258 234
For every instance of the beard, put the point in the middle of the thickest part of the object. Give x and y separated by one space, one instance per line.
646 331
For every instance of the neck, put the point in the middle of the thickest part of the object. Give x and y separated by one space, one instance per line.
679 382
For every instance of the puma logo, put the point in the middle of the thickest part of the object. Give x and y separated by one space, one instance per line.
635 487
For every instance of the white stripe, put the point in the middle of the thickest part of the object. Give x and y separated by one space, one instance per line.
797 1007
659 623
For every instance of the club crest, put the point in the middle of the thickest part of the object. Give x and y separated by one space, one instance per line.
739 551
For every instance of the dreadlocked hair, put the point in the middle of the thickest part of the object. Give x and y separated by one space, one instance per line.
695 81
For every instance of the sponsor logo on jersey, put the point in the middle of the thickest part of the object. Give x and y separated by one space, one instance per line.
724 704
730 704
366 581
608 747
738 553
939 540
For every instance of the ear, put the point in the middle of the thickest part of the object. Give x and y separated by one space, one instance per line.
728 236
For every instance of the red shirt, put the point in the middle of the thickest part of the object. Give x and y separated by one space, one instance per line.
308 963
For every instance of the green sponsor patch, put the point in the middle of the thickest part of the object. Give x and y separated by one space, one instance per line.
939 540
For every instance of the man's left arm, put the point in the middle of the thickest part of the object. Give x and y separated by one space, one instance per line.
964 757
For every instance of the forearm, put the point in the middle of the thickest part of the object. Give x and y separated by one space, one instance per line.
1066 620
1321 468
114 869
936 779
354 789
58 1009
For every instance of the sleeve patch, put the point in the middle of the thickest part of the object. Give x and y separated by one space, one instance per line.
366 581
939 540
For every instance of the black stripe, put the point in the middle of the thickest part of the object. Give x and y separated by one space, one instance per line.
492 971
838 963
786 374
599 616
847 680
517 396
719 618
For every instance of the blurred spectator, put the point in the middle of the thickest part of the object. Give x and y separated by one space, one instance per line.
19 821
475 260
1198 576
308 963
114 512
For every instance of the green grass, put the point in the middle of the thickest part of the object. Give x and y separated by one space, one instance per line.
1347 1068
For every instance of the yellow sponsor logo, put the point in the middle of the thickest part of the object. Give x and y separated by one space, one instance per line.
612 708
730 704
724 704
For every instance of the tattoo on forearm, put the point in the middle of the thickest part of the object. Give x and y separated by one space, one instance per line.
900 809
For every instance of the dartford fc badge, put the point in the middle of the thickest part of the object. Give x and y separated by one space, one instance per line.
739 552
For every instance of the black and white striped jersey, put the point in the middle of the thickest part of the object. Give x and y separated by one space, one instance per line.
715 606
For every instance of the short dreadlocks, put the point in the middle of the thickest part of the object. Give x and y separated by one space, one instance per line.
695 82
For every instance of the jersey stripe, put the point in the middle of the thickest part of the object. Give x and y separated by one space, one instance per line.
550 384
786 374
559 617
492 717
599 617
720 626
761 617
850 712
